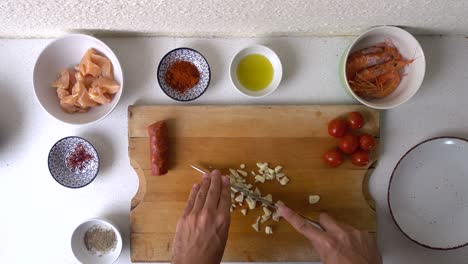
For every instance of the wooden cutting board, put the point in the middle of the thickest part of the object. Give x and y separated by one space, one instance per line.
226 136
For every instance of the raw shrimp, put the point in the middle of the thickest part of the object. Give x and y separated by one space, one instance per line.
362 62
371 74
385 85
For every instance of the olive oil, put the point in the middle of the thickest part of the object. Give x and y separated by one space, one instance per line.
255 72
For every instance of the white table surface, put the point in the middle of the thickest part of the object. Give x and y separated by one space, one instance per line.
39 215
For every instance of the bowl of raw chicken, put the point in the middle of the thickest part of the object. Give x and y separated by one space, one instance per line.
78 79
383 68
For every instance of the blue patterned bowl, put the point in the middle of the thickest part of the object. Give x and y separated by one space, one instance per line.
61 167
190 55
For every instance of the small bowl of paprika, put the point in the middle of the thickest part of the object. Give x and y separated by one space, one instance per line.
184 74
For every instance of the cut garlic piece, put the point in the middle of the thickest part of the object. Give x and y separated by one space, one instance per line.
265 218
278 169
232 195
253 173
234 172
275 216
239 198
271 171
256 224
251 203
233 190
259 178
313 199
242 166
231 210
268 197
280 175
267 211
248 186
244 211
257 191
233 205
241 172
264 166
240 204
268 230
259 164
284 180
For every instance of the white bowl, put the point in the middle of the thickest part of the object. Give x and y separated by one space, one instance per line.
409 48
63 53
275 62
80 251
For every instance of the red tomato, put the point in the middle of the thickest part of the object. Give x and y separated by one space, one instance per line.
360 158
366 142
333 158
348 144
337 128
355 120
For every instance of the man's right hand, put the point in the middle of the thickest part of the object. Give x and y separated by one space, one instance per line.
338 243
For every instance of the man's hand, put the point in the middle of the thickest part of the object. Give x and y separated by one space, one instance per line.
203 228
339 243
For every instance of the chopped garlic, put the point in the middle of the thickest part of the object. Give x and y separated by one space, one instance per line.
244 211
233 205
267 211
271 171
239 198
241 172
264 166
232 195
268 230
240 204
253 173
313 199
276 216
257 224
234 173
284 180
251 203
278 169
259 164
242 166
233 190
265 218
260 172
280 175
231 210
248 186
259 178
269 198
257 191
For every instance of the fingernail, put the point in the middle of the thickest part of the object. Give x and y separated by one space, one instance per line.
206 175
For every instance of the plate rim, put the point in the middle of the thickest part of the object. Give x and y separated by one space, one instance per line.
159 68
390 184
97 157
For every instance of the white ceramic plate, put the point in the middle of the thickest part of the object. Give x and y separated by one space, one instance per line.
428 193
63 53
80 251
409 48
275 62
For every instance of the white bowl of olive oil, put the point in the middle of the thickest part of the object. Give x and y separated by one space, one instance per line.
256 71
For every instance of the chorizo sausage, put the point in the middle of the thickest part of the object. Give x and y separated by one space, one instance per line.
159 148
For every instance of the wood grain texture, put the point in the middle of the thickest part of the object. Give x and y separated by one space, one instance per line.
226 136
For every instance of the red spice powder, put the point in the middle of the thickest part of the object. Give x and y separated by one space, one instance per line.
182 76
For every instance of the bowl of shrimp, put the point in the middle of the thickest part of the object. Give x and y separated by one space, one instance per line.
78 79
383 68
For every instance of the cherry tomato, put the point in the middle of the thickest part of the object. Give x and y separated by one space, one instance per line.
333 158
337 128
348 144
360 158
355 120
366 142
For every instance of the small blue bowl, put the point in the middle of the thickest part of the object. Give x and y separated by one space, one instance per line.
190 55
66 174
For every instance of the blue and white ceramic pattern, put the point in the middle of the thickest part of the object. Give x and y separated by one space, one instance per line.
190 55
62 173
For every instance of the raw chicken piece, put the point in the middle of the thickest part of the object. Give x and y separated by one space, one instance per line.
109 86
87 80
87 66
105 65
68 104
61 93
97 94
84 100
63 80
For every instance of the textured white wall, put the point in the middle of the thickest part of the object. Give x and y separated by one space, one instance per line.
38 18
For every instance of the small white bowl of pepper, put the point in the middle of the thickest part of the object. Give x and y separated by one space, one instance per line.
96 241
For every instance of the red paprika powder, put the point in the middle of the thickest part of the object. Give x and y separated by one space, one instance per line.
182 75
